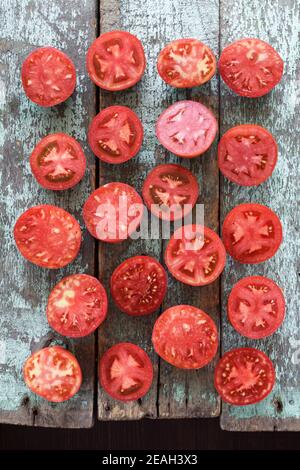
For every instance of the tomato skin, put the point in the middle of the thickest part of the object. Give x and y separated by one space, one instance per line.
139 375
185 336
49 359
267 146
133 275
45 148
230 363
256 295
132 52
240 60
77 305
36 62
248 215
136 130
178 63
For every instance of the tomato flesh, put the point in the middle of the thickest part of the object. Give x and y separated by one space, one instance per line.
186 63
48 76
53 373
125 372
113 212
185 336
244 376
58 162
250 67
252 233
195 255
115 134
186 128
116 60
48 236
170 191
77 305
139 285
247 154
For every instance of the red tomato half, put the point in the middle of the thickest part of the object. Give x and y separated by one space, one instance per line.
116 60
113 212
139 285
252 233
250 67
125 372
244 376
170 191
195 255
48 236
186 128
77 305
48 76
186 63
58 162
185 336
115 134
53 373
247 154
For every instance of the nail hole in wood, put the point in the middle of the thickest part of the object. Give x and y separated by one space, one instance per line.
107 407
35 411
278 405
25 401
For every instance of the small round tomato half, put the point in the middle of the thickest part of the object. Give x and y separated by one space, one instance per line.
125 372
252 233
77 305
244 376
113 212
247 154
138 285
58 162
256 307
53 373
195 255
185 336
186 63
186 128
48 76
116 60
48 236
170 191
115 134
250 67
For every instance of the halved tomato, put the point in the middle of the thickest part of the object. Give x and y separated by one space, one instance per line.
186 63
170 191
116 60
48 236
252 233
185 336
58 162
53 373
77 305
48 76
195 255
244 376
186 128
115 134
247 154
139 285
125 372
113 212
250 67
256 307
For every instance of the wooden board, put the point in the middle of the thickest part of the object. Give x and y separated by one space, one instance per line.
276 22
26 25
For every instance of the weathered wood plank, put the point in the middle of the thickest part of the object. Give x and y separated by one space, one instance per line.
277 22
26 25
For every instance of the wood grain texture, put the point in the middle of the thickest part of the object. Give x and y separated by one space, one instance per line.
174 393
26 25
276 22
